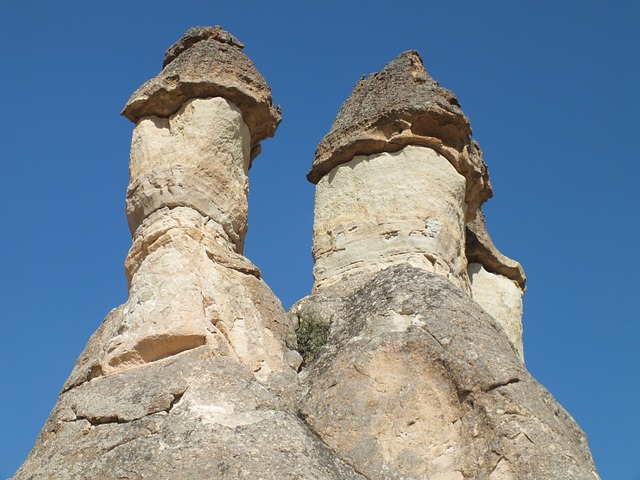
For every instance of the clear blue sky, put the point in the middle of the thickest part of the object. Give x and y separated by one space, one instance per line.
552 92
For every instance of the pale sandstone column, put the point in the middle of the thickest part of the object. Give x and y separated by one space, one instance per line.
398 179
420 373
388 208
189 284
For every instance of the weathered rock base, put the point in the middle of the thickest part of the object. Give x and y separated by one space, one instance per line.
196 415
417 381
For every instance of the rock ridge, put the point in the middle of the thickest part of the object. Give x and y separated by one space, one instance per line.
417 381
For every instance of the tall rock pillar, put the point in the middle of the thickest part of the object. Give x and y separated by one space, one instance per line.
191 377
420 375
400 180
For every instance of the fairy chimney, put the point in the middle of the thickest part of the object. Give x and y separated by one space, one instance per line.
191 377
397 177
400 180
421 374
405 362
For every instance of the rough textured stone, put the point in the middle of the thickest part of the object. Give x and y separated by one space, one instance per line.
196 415
388 208
208 62
417 381
497 282
199 158
398 106
191 377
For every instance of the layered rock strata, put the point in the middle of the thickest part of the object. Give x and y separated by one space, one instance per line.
421 374
190 378
398 106
378 210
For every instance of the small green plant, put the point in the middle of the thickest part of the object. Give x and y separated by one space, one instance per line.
311 335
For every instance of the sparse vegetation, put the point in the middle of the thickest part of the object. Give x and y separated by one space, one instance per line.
311 335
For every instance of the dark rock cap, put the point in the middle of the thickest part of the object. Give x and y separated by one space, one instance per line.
208 62
398 106
480 249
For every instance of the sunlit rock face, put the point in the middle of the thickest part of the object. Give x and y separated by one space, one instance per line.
502 299
390 208
398 106
197 158
497 282
187 207
417 381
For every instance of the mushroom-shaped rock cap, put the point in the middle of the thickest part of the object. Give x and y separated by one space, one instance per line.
208 62
398 106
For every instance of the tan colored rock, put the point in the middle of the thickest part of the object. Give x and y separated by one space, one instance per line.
414 379
502 299
497 282
197 158
480 249
399 373
402 105
389 208
417 381
196 415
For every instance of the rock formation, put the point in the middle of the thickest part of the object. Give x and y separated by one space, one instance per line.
190 378
405 362
398 180
421 375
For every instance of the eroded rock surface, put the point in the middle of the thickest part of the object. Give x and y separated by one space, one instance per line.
421 372
417 381
409 356
497 282
398 106
208 62
198 415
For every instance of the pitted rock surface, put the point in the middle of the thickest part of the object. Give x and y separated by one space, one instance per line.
195 375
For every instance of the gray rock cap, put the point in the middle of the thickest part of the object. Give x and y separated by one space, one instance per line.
398 106
208 62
